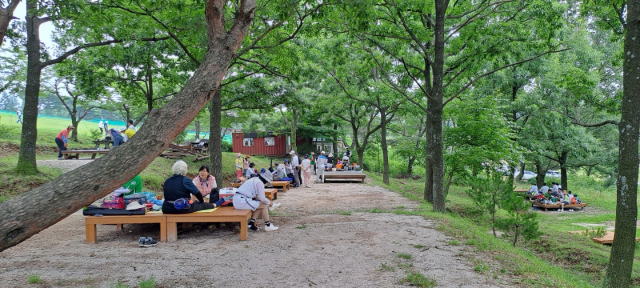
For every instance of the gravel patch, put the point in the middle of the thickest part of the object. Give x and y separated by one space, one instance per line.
328 237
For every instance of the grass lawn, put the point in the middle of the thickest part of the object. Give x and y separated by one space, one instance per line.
556 259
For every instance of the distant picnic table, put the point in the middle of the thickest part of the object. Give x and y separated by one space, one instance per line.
101 142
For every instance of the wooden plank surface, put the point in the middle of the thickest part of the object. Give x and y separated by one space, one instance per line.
222 214
92 221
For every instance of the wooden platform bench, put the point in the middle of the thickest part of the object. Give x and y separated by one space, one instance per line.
344 176
71 154
91 222
284 185
558 206
222 214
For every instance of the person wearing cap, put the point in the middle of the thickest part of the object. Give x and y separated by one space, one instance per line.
106 128
252 189
125 137
127 133
279 172
306 170
116 137
62 140
321 163
238 164
295 164
178 190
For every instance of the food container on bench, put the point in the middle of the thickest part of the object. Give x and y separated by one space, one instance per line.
140 198
227 194
113 203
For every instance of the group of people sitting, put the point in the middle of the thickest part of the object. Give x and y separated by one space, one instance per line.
180 191
553 195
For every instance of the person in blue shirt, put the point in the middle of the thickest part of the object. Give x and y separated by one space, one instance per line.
178 190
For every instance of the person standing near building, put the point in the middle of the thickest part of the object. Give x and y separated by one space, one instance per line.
62 140
320 164
306 171
238 164
295 164
19 116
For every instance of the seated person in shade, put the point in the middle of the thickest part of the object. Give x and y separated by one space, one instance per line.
206 183
250 196
288 169
534 189
250 171
178 190
134 185
279 172
116 137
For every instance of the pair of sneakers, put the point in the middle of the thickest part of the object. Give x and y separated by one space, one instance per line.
267 228
147 242
275 205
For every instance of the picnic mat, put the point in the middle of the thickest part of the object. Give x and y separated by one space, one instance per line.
201 211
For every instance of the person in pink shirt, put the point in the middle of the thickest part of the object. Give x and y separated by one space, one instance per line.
62 140
206 184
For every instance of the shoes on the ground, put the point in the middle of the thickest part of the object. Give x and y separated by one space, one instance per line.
275 205
147 242
270 228
60 158
570 210
254 228
307 186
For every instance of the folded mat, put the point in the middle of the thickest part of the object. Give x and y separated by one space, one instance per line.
92 210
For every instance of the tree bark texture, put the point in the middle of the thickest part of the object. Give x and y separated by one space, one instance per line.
81 187
215 138
623 248
385 148
541 172
522 167
435 107
563 170
6 15
27 157
428 167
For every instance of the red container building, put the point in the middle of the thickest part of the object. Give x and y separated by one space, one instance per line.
268 145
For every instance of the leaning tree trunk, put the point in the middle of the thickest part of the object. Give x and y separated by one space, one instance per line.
623 248
522 167
27 157
385 148
215 138
436 106
72 191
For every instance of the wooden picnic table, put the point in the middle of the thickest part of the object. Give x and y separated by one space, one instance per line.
101 142
71 154
521 190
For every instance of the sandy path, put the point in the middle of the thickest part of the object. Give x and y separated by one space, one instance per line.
318 244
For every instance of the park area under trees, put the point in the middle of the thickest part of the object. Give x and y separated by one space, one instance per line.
446 105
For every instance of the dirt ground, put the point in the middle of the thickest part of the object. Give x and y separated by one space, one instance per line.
328 237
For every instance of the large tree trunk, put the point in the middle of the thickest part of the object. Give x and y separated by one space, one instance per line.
563 170
385 148
82 187
436 107
335 144
522 167
623 248
27 157
428 167
6 15
215 138
541 171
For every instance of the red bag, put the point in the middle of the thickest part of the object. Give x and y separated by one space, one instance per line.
113 202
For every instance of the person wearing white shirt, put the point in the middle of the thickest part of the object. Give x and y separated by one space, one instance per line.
130 123
321 163
295 164
544 189
534 189
254 189
306 170
101 126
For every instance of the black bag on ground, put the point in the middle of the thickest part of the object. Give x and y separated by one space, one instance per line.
92 210
214 195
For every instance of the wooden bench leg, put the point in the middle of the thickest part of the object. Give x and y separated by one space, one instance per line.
244 228
93 156
172 231
119 227
163 231
91 233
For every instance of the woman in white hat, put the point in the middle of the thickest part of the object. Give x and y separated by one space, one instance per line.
252 189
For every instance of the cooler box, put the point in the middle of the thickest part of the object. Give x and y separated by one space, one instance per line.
227 194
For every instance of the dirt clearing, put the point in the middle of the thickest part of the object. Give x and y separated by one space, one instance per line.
328 237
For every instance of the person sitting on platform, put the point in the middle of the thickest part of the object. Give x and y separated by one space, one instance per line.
206 184
116 137
279 172
250 171
252 189
289 169
134 185
178 190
